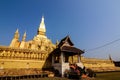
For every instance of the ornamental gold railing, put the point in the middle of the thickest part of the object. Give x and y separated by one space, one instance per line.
17 53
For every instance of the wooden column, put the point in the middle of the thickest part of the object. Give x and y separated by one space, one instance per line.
72 58
62 57
78 58
53 59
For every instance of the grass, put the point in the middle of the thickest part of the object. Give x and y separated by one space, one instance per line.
108 76
100 76
55 78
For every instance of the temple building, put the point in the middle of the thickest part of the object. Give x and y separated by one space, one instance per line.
27 54
39 42
40 53
63 55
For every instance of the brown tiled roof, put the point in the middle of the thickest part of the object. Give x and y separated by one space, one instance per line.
71 49
67 46
67 38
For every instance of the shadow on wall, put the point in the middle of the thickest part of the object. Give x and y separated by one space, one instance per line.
48 65
117 63
48 62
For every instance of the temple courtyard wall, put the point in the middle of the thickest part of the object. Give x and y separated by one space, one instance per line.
99 65
17 64
16 61
11 58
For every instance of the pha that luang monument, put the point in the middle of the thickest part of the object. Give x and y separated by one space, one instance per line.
27 54
40 53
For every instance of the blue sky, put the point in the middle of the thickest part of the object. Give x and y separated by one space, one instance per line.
89 23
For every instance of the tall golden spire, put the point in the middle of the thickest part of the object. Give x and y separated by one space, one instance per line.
22 44
16 35
24 37
15 40
42 29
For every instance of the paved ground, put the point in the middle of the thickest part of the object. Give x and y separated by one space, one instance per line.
59 78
